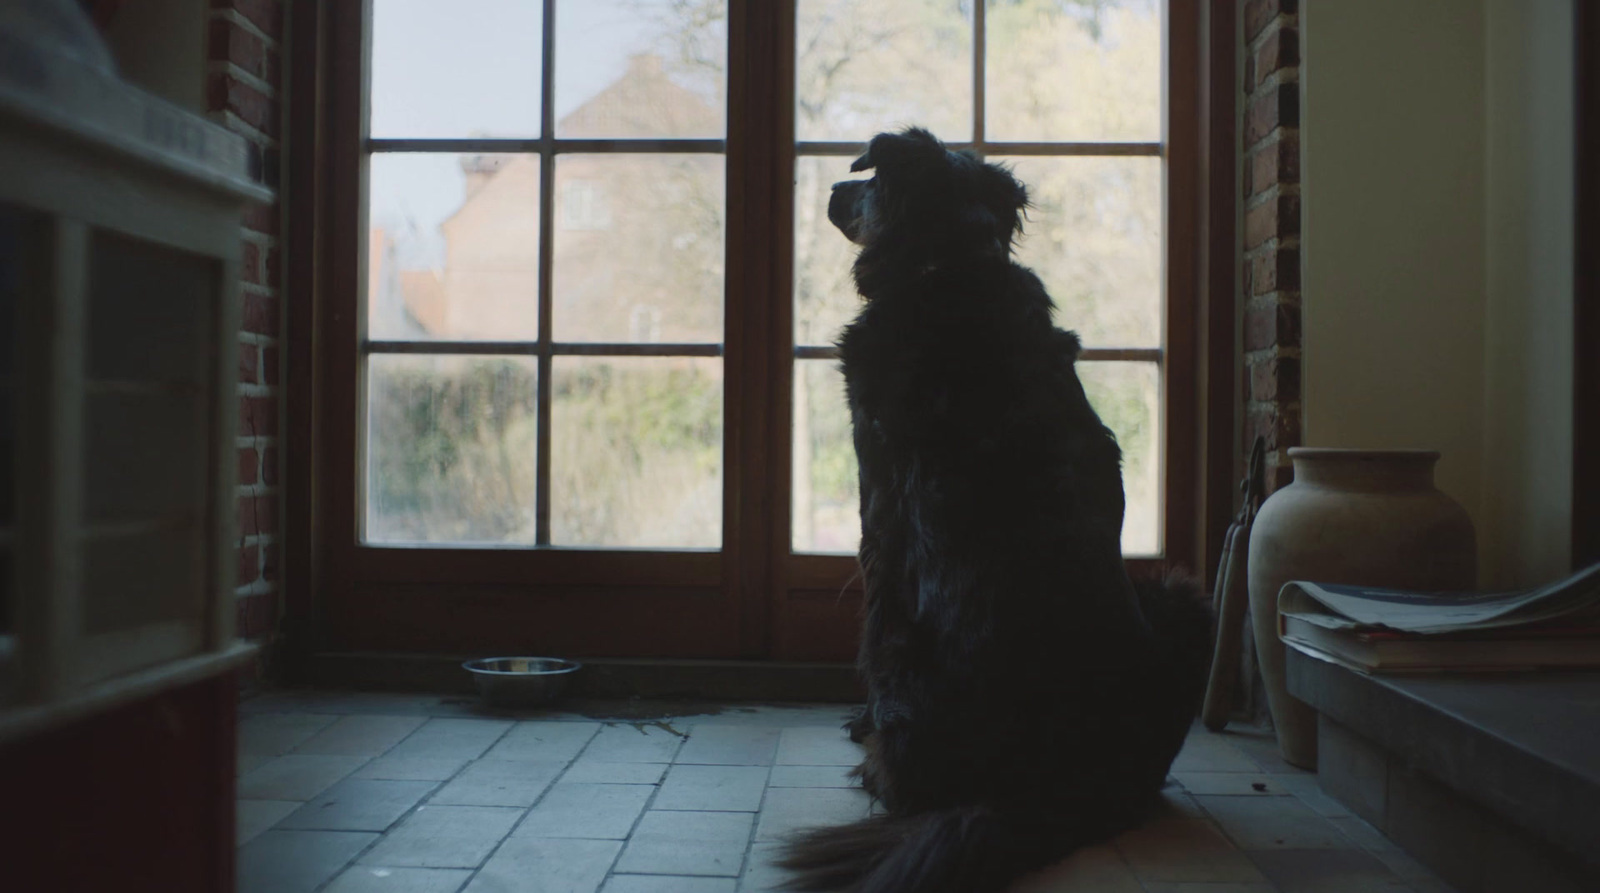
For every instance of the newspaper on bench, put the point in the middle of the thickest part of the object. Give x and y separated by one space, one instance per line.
1363 607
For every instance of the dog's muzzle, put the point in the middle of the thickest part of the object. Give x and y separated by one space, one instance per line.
847 206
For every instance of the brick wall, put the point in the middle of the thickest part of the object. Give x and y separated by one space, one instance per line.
244 88
1271 263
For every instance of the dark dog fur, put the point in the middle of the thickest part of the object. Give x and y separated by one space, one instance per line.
1026 698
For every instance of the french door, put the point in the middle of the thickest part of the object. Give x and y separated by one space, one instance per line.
581 396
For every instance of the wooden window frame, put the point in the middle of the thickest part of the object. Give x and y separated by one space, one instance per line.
754 598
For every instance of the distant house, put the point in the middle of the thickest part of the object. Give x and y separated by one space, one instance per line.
638 240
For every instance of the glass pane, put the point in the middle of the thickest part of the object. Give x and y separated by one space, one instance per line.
453 252
1081 71
451 447
641 68
638 248
864 66
636 452
1094 237
826 489
467 68
1127 397
825 513
825 296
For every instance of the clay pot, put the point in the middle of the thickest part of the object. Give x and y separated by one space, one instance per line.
1360 517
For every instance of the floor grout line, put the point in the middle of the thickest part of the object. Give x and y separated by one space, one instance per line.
415 807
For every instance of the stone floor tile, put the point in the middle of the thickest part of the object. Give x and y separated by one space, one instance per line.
1175 801
366 736
590 811
410 769
726 745
251 817
359 804
812 777
633 743
246 763
543 740
540 865
295 776
1097 869
451 739
590 771
1361 834
282 861
732 788
499 783
1264 823
1306 788
687 843
657 883
275 734
1179 849
1326 871
791 809
1231 783
1261 746
382 879
444 837
1205 752
817 746
761 872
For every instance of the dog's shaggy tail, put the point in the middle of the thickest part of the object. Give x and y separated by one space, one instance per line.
963 850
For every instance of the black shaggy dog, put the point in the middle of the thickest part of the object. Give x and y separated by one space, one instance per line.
1026 698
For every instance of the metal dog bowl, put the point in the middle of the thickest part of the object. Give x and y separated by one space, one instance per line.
521 681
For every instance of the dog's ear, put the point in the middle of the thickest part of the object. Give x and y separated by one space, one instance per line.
1004 186
895 150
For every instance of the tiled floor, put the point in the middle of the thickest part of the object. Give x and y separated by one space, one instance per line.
371 793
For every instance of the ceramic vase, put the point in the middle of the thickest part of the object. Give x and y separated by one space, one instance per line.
1359 517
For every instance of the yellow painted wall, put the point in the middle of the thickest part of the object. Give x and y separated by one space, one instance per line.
1433 291
1527 463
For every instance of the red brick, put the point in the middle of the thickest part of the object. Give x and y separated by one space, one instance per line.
256 617
1259 13
260 314
249 463
1272 165
1281 50
269 562
232 42
258 515
1280 425
262 218
249 364
274 262
269 467
1275 380
1277 270
269 366
227 93
249 565
250 263
1277 325
1279 476
264 14
258 416
1274 218
1275 107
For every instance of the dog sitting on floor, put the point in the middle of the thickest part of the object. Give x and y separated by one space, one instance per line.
1025 697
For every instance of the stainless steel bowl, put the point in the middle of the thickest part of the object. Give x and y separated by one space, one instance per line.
521 681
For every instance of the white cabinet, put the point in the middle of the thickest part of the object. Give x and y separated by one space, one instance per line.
119 245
